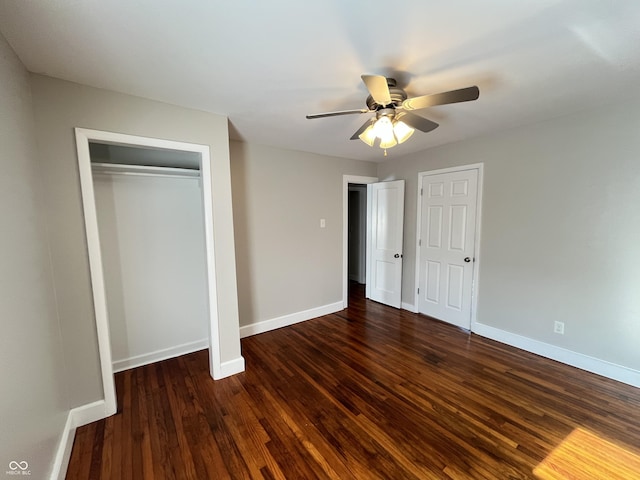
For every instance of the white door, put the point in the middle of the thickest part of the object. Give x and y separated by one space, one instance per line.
447 245
384 242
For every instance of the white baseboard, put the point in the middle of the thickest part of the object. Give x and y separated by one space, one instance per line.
286 320
231 367
88 413
77 417
63 454
158 355
578 360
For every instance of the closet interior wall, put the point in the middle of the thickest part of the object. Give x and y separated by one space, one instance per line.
151 227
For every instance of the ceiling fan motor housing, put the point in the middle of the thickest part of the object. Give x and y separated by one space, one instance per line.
397 95
385 112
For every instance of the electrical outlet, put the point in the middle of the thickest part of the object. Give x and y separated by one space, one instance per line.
558 327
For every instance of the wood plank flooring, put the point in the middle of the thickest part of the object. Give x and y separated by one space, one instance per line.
369 392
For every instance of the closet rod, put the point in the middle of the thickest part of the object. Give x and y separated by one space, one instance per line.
127 169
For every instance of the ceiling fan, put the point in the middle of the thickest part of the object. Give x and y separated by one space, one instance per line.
393 122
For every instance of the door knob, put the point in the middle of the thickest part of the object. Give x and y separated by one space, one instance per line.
467 259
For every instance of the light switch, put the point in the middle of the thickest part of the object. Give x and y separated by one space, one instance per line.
322 223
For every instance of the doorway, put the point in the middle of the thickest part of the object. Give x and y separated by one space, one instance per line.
352 183
357 243
84 138
357 232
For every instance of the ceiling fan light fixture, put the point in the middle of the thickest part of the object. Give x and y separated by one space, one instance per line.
383 128
391 132
388 142
402 131
368 136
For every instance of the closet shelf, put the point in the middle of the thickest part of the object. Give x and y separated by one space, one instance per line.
127 169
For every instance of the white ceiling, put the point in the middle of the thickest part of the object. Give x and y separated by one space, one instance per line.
267 63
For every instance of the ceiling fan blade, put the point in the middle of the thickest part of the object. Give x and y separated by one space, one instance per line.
356 135
454 96
335 114
378 88
418 122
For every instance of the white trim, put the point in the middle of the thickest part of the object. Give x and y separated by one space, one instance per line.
231 367
346 180
290 319
159 355
63 454
215 367
88 413
475 292
568 357
95 266
77 417
476 250
83 137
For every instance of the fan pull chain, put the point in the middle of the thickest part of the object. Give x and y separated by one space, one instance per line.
385 152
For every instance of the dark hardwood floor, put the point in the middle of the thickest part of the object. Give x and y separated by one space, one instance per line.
369 392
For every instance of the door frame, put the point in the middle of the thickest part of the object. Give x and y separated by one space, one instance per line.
476 248
83 138
346 180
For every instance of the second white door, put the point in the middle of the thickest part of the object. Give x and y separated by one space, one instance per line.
385 204
447 245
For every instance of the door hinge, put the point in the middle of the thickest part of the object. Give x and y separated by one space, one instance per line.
418 289
419 242
420 191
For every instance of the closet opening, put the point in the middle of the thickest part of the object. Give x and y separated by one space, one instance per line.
149 225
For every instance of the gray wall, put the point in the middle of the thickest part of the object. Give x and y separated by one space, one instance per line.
33 398
59 107
560 228
286 263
